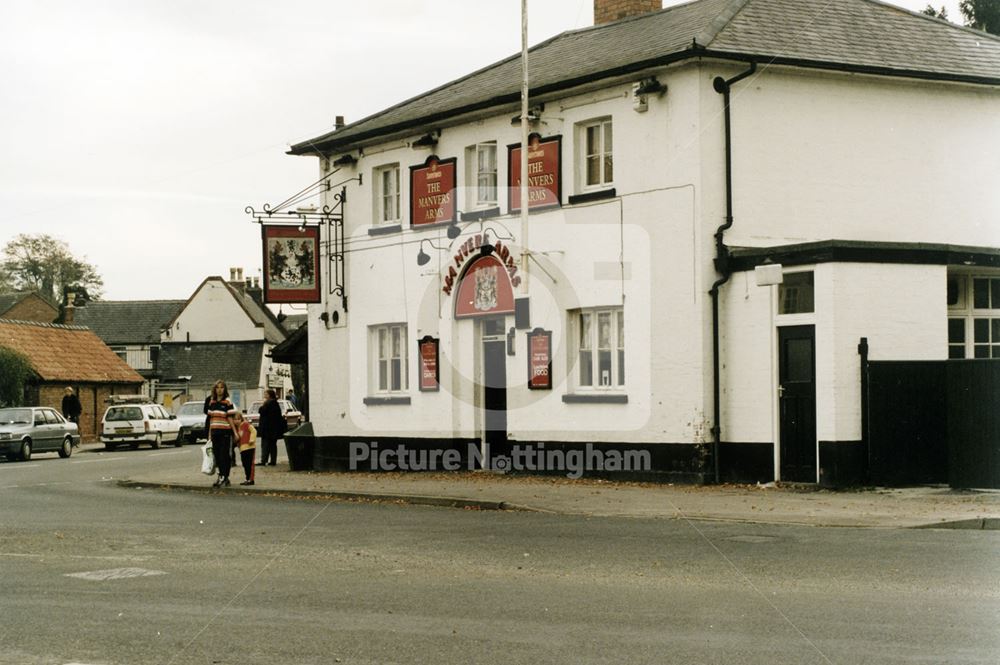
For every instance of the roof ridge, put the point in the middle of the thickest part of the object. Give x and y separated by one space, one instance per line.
545 42
42 324
939 21
708 35
115 302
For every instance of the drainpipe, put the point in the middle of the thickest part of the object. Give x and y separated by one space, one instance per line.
722 86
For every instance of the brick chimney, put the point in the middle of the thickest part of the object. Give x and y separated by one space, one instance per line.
69 309
606 11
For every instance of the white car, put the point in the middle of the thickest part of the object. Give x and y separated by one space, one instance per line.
134 424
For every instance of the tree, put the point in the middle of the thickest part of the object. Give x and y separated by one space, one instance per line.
981 14
936 13
44 264
15 370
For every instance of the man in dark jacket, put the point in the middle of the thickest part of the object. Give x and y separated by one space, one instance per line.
270 428
71 406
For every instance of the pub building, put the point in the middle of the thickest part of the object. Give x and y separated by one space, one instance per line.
729 215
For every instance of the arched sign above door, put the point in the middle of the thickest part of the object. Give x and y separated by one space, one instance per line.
484 289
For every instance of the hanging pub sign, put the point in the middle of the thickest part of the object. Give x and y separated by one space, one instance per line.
540 359
484 289
291 264
544 170
432 192
427 350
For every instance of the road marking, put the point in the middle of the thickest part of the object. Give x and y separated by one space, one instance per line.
21 466
171 452
115 574
89 461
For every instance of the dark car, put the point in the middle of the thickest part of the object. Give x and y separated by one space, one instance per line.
36 429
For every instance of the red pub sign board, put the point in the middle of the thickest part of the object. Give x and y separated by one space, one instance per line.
544 169
291 264
427 347
485 289
432 192
540 359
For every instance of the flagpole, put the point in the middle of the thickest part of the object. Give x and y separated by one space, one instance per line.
524 146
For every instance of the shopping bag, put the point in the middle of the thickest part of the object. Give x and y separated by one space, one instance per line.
207 459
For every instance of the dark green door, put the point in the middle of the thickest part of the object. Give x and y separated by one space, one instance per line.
797 403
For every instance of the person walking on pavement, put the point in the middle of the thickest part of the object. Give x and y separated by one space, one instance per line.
246 436
270 428
221 413
71 406
292 399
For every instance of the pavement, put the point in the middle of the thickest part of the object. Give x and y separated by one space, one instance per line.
774 503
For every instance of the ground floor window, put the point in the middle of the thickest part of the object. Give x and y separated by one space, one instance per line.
974 316
600 348
389 367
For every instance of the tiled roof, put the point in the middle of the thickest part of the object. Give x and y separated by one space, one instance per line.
8 300
127 321
852 35
273 331
66 353
234 362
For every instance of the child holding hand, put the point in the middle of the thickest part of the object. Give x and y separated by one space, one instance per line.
246 436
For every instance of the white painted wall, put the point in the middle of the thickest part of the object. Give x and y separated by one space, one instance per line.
214 315
817 156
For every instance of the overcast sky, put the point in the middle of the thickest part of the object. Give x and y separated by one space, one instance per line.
137 131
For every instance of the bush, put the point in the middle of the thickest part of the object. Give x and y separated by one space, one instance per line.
15 370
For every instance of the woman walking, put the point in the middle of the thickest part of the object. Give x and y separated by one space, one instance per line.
221 413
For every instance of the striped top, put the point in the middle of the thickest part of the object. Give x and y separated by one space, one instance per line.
219 413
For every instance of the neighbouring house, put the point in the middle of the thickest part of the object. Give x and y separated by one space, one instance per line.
27 306
132 329
72 356
764 243
223 331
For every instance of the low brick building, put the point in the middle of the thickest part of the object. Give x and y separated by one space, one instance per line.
27 306
73 356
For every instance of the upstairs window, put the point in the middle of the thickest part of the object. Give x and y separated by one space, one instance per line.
597 148
387 194
482 158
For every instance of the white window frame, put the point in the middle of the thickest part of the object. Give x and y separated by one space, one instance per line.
587 343
601 152
387 204
381 359
984 321
475 171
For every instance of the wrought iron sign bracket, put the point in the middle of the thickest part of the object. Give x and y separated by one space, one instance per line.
330 217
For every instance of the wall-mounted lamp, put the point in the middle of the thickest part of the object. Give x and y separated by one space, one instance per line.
453 231
345 160
534 115
428 140
641 92
423 257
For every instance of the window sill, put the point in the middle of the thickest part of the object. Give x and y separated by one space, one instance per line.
595 398
587 197
477 215
385 229
387 400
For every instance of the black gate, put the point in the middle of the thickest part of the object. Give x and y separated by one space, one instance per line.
932 421
907 422
974 423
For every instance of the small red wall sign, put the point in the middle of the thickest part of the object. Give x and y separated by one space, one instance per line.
291 264
544 173
540 359
432 192
427 348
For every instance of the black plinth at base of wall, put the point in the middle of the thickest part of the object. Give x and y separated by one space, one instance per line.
670 463
745 462
842 463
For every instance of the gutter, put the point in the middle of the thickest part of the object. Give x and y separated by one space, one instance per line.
722 260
